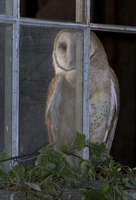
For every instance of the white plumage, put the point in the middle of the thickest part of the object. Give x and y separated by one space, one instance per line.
104 92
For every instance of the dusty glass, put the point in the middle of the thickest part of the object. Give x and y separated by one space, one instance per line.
40 63
5 86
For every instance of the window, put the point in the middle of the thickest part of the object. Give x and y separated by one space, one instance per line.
26 71
26 67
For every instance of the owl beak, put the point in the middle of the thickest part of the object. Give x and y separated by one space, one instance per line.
71 58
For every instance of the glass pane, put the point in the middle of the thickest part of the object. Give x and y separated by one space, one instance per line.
36 74
6 7
5 86
62 10
113 12
121 50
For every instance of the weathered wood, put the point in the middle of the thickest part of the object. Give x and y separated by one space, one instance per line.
83 11
79 11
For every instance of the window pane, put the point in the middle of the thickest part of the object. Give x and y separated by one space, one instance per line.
36 73
6 7
5 86
121 50
62 10
113 12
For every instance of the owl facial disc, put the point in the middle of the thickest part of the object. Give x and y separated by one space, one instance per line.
64 54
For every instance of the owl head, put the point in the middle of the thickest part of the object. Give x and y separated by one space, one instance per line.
96 45
64 51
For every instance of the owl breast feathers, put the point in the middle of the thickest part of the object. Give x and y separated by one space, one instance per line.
62 94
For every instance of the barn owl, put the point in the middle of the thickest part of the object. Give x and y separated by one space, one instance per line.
103 93
60 107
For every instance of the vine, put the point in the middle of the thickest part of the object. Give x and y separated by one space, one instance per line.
100 177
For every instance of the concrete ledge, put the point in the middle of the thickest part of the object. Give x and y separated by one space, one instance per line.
72 195
9 195
131 194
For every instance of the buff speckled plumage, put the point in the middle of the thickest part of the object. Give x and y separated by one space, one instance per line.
104 92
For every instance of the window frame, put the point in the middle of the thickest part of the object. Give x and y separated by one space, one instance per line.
15 20
82 23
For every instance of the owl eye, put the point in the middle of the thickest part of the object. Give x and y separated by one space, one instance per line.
63 46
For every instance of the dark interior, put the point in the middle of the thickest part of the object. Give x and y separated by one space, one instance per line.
120 49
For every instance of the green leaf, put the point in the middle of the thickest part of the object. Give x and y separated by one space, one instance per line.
3 176
3 154
94 195
106 187
65 147
79 142
50 188
98 149
100 177
53 161
99 185
87 168
18 173
84 167
119 192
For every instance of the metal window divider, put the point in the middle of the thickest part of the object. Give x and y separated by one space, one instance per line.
113 28
83 16
93 26
86 88
15 82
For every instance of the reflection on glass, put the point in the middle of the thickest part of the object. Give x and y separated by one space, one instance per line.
37 72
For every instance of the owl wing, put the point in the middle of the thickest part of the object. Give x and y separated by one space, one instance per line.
54 93
114 110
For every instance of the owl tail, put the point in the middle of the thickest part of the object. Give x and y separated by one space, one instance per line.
114 111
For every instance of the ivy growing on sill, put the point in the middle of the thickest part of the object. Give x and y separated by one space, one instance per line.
99 178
